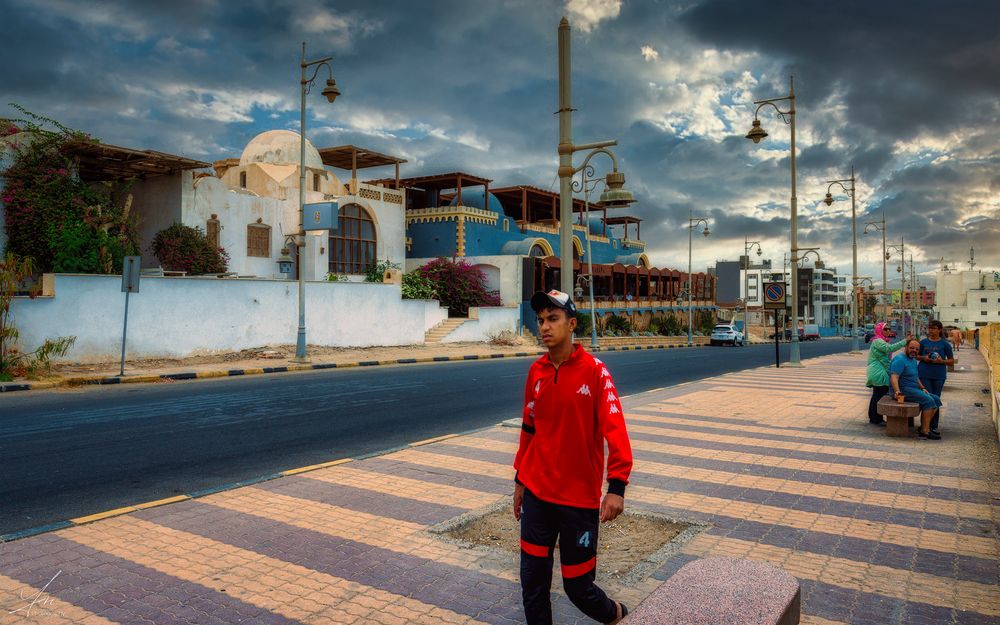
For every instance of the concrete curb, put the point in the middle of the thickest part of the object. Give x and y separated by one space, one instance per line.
10 387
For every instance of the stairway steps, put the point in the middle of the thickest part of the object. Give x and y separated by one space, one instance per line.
443 329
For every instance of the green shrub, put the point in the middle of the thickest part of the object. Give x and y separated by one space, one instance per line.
617 325
183 248
375 272
583 324
418 286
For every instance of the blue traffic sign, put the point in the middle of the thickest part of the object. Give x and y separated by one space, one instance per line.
774 295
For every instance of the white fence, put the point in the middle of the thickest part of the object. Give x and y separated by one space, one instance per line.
484 322
176 317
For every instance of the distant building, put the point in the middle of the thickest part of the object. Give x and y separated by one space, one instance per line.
967 299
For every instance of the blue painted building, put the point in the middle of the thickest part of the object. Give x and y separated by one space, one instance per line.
512 234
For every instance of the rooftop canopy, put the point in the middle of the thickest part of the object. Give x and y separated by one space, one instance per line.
101 161
351 157
437 182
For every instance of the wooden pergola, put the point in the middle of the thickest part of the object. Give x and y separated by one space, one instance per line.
97 161
625 220
430 187
353 158
528 204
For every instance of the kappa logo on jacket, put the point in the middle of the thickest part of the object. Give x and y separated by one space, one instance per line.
609 385
583 390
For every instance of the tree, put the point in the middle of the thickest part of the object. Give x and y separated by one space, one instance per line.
459 286
53 217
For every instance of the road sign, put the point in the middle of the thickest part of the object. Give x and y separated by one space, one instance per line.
774 295
130 274
321 215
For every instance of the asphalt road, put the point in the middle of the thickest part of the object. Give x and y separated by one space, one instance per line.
70 453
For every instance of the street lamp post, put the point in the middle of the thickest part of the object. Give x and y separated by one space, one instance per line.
855 343
747 246
880 226
330 92
692 224
614 196
901 249
756 134
587 185
861 282
914 305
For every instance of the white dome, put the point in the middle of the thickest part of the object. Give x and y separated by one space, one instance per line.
279 147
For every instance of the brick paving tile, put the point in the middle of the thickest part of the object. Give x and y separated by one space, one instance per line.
878 531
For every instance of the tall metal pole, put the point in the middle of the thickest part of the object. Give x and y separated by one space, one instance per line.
855 341
300 339
690 285
565 161
794 359
885 277
746 288
590 264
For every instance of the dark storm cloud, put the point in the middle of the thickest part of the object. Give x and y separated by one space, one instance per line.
907 94
903 67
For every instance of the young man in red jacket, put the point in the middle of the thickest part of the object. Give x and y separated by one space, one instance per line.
571 408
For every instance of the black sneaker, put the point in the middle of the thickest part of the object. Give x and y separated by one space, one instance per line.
932 436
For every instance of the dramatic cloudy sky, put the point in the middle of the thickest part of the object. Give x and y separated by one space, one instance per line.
909 92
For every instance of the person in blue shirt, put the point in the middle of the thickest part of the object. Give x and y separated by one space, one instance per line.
906 383
934 357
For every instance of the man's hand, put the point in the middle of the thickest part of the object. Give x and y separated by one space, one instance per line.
518 500
611 507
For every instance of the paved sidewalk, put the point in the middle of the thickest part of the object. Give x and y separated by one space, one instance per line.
779 464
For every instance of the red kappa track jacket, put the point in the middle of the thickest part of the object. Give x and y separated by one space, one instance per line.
568 414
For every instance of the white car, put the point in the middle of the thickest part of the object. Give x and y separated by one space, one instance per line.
723 334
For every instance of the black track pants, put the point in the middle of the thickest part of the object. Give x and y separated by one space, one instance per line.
576 528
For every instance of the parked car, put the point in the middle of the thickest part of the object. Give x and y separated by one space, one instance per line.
786 335
810 332
723 334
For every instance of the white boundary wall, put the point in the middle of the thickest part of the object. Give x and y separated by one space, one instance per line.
483 322
176 317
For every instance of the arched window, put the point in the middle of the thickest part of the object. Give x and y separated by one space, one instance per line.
537 251
352 245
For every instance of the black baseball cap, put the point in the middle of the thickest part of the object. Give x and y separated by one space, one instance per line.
553 299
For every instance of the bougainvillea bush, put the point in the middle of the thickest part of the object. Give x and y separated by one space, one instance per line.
459 286
183 248
63 223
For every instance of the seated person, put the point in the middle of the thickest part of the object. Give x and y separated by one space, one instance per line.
906 383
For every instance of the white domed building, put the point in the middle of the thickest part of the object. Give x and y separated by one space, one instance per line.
250 208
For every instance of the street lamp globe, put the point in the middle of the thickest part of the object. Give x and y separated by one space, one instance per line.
756 132
614 195
706 231
331 91
759 252
828 200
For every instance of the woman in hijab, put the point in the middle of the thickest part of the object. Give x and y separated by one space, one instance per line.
879 351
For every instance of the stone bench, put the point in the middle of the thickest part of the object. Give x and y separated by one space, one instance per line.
722 591
898 416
